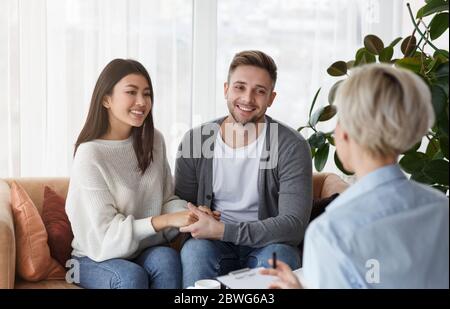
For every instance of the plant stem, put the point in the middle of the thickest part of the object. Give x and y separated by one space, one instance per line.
417 27
314 129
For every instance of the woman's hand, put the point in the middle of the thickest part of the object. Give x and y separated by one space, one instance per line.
181 218
286 278
175 219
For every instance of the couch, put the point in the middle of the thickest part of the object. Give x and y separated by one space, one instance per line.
324 185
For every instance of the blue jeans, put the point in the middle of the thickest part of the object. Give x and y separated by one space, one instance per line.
207 259
157 267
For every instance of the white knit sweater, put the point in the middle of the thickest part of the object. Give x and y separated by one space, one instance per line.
110 203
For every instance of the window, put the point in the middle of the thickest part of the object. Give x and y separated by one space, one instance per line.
52 52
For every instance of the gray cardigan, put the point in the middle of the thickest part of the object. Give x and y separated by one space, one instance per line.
285 183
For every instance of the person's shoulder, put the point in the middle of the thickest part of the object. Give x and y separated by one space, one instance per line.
428 192
89 151
89 160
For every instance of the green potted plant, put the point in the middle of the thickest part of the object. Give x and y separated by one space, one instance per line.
430 166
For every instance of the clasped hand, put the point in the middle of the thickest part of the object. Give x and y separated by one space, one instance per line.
206 225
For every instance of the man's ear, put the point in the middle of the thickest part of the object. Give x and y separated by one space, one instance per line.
225 89
272 98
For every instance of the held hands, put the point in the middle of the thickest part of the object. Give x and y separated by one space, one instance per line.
207 226
286 278
215 214
181 218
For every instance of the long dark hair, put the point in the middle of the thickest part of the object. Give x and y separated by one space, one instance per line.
97 119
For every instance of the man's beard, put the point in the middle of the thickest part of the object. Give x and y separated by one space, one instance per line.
254 119
243 123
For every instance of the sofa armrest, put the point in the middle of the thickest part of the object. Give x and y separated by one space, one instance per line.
7 239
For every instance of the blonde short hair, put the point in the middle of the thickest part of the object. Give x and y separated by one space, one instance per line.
384 109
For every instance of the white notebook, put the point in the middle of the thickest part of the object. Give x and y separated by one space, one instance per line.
250 279
246 279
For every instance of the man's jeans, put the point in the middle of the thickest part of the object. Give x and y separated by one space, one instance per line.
156 268
207 259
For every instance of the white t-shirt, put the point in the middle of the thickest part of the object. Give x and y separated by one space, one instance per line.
235 179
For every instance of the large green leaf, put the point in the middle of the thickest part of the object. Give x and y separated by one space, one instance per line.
420 176
443 142
338 68
332 93
408 45
313 102
442 71
364 57
442 52
439 99
437 170
386 54
328 112
438 155
339 164
330 138
437 60
432 148
432 6
321 157
438 25
373 44
313 152
322 114
442 123
317 140
314 119
413 162
441 77
411 63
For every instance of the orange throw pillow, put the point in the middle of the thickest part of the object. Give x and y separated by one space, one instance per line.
33 260
57 224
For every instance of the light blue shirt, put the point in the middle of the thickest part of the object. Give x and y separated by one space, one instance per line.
383 232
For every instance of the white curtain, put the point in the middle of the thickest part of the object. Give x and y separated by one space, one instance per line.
51 53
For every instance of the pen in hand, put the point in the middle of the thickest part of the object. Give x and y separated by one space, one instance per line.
274 260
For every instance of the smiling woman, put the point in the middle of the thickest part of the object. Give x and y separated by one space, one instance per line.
121 202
